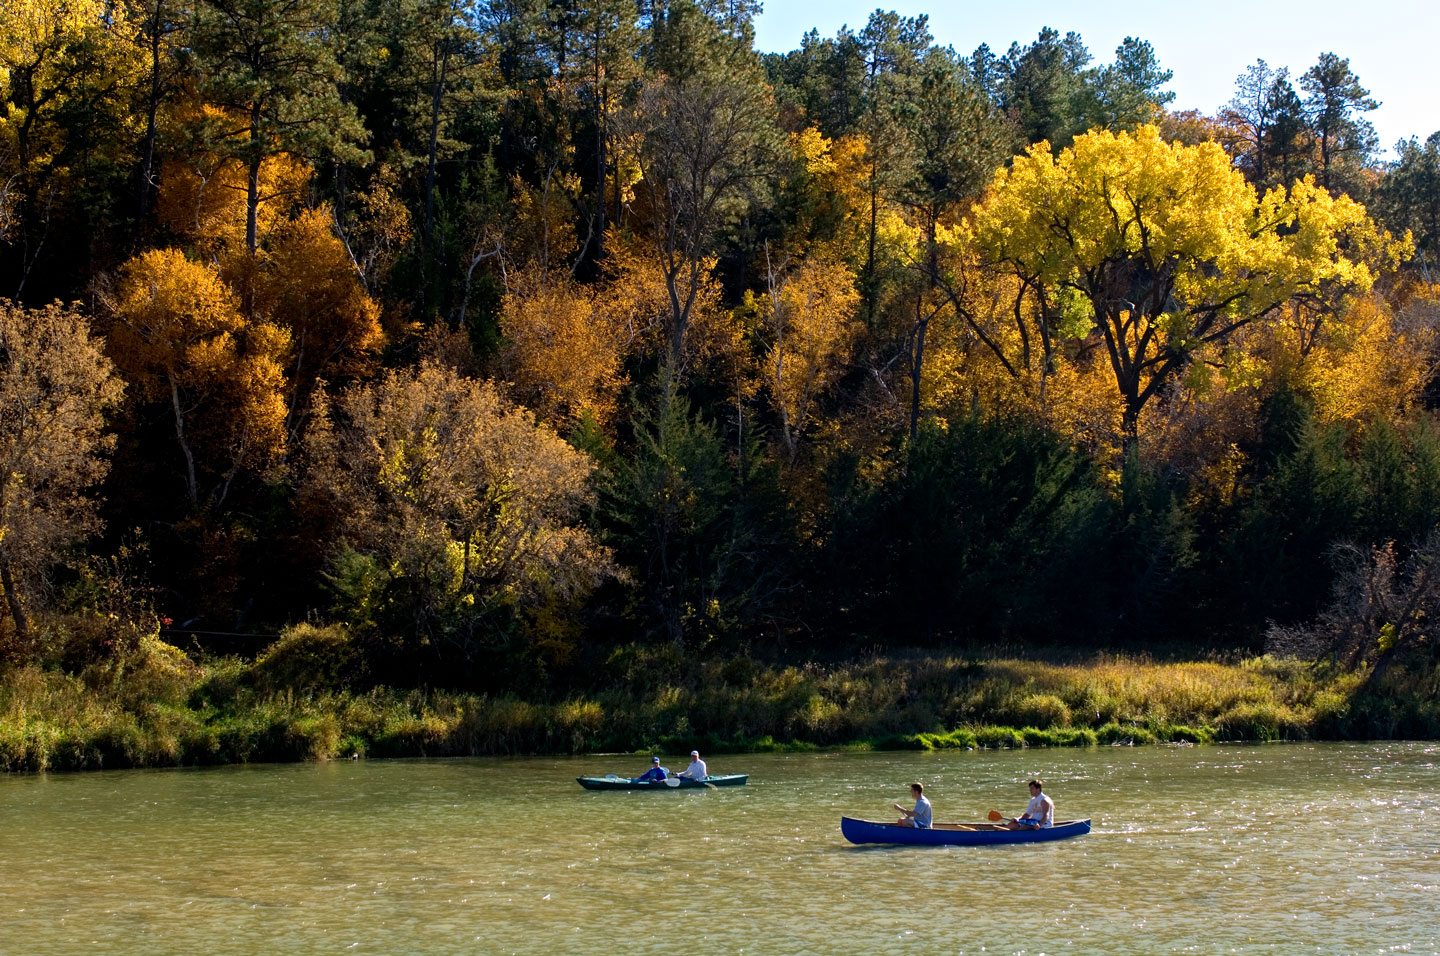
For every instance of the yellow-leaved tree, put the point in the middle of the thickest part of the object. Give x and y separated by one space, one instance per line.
203 194
1161 253
811 321
64 65
563 351
179 339
302 278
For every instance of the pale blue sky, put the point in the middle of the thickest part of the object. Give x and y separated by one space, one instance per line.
1392 46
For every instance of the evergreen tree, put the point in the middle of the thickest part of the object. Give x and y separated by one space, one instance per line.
271 66
1333 103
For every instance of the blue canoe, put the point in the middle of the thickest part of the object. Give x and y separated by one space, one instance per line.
956 834
625 783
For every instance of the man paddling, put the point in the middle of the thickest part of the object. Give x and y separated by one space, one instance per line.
696 770
1039 812
656 772
920 817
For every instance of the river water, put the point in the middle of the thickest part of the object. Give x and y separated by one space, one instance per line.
1331 848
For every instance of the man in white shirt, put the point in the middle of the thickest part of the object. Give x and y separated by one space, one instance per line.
1039 812
920 817
696 770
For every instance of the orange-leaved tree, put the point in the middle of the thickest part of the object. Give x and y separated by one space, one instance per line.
179 339
307 284
563 350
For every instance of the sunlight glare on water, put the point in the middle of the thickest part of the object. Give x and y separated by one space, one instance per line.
1331 848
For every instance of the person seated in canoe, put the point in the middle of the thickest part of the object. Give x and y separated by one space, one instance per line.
920 817
656 773
696 770
1039 812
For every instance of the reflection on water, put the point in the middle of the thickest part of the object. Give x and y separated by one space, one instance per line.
1331 848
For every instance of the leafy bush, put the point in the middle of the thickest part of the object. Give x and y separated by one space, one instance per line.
309 659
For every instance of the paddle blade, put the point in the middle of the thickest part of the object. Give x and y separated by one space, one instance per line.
995 816
672 782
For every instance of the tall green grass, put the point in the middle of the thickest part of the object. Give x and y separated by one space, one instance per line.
154 707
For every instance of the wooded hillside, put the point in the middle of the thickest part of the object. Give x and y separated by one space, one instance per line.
507 334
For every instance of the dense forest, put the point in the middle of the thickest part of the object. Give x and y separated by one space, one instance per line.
498 342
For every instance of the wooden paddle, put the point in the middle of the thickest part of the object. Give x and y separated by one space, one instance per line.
995 816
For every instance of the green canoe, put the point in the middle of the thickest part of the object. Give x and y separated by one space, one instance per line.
674 783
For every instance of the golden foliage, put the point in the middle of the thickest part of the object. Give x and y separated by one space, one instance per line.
1163 251
203 195
637 300
179 338
542 224
31 30
811 325
1365 365
563 351
52 52
308 284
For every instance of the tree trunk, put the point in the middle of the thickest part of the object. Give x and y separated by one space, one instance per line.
437 93
600 166
916 367
252 190
192 484
12 598
147 164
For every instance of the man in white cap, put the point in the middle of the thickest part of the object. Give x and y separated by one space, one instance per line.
696 770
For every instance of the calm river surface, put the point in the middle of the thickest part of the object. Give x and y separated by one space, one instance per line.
1331 848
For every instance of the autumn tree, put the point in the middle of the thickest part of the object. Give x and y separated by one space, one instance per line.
468 510
958 139
563 351
307 285
55 386
811 320
1163 251
64 122
182 343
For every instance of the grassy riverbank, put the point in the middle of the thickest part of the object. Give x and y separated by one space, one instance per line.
155 707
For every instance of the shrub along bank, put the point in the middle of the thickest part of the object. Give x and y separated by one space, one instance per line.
301 701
